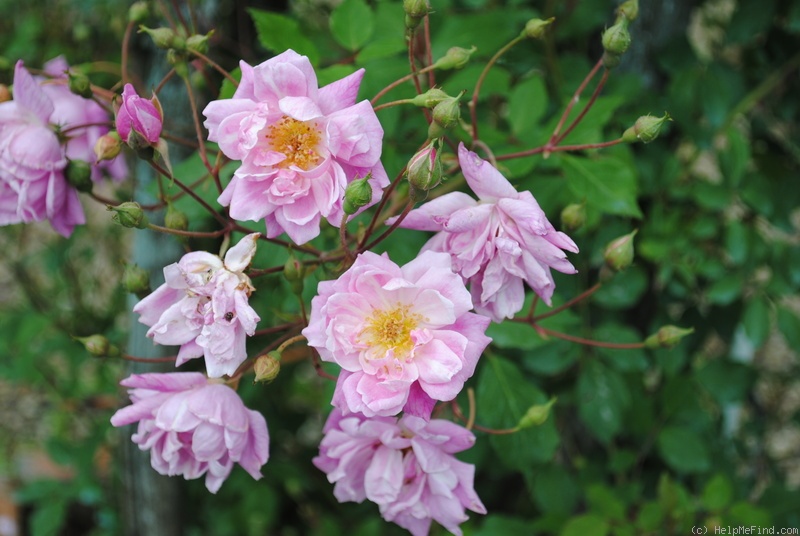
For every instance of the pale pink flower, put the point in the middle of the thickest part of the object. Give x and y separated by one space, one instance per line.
391 328
194 427
139 121
407 467
300 145
203 307
70 113
497 242
32 161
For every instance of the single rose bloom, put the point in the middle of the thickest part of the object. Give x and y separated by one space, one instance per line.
83 120
405 466
494 243
194 427
300 145
391 328
32 161
203 308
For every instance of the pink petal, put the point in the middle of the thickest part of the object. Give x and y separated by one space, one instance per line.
28 94
487 183
341 93
239 256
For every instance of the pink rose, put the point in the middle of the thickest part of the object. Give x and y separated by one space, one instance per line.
203 307
393 328
495 243
407 467
194 427
32 161
70 113
139 121
300 145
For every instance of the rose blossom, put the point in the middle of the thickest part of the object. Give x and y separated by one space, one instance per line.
300 145
139 121
497 242
194 427
203 307
407 467
393 328
32 161
72 111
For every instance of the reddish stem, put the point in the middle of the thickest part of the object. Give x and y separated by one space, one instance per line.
580 297
590 342
586 108
574 100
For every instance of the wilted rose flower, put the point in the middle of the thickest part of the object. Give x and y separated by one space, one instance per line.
300 145
83 121
497 242
194 427
203 307
407 467
139 121
391 328
32 161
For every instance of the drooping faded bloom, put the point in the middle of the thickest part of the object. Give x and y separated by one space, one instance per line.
194 427
83 121
497 242
203 307
300 145
139 121
32 161
393 328
407 467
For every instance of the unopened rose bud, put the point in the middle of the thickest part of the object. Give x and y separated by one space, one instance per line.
138 12
79 175
136 280
446 115
175 218
667 337
455 58
629 10
79 84
139 121
573 216
177 59
129 214
98 346
611 60
295 274
162 37
536 415
5 93
267 367
619 252
107 147
535 28
415 12
199 43
357 194
425 169
430 98
617 39
646 129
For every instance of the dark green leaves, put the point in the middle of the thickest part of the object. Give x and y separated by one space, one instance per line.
352 24
606 183
602 399
278 33
683 450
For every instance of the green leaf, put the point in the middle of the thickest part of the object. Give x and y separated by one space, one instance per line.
352 23
554 490
683 450
789 324
526 106
725 380
603 397
623 290
278 33
227 89
586 525
48 517
604 502
606 183
499 524
514 335
717 493
724 291
503 397
756 320
746 514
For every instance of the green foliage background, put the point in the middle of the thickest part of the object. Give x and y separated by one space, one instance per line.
640 441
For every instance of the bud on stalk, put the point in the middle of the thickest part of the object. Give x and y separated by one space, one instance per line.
619 252
129 214
425 169
357 194
267 367
667 337
455 58
646 129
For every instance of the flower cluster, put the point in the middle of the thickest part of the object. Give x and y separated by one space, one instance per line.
203 307
33 159
405 465
300 145
194 427
495 243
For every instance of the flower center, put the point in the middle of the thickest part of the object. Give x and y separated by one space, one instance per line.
297 140
391 329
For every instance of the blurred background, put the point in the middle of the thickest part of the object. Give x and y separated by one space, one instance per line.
639 441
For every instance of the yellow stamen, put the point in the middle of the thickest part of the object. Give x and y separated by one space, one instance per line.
391 329
297 140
